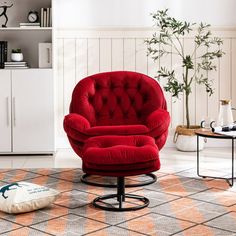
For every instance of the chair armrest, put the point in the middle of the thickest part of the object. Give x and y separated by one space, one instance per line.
76 122
158 122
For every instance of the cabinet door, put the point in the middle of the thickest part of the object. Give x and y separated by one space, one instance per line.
5 111
32 111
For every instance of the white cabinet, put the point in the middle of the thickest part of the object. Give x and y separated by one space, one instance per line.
5 111
27 120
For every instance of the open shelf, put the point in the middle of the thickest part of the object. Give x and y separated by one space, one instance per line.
25 38
19 12
28 41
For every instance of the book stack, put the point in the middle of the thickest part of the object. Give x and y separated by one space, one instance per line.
29 25
16 65
46 17
3 53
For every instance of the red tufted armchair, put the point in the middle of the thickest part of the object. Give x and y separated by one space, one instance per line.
116 103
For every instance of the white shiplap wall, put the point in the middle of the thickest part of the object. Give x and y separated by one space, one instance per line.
80 53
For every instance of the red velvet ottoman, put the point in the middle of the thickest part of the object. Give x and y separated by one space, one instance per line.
120 156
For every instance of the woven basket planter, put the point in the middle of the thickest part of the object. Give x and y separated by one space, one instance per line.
186 140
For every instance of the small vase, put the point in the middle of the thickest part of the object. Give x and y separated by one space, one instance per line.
17 57
225 116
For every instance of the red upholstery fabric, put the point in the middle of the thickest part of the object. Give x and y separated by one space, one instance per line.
116 103
120 155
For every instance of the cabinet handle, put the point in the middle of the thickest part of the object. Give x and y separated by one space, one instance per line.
48 54
8 110
14 110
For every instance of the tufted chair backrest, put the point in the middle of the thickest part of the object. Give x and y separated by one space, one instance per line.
117 98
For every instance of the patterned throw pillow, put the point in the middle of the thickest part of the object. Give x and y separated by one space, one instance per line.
22 197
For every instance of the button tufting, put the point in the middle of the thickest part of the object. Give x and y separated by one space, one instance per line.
118 100
139 114
90 99
145 98
139 87
125 114
132 101
97 86
111 114
126 86
104 100
112 86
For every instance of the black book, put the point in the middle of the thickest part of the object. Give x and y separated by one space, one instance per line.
3 53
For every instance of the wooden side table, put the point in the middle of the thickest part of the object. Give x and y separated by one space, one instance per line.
207 133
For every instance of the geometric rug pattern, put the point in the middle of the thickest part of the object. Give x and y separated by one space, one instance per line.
180 204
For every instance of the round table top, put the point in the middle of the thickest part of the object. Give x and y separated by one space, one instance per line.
209 134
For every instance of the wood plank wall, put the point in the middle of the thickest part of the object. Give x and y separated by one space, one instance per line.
80 53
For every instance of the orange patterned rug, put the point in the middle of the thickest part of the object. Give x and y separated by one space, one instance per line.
179 205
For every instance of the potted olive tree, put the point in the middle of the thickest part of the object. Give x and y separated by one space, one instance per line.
169 33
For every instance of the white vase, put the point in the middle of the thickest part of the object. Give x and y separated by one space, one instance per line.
17 57
225 116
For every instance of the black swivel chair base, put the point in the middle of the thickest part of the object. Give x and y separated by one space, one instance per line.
151 180
120 197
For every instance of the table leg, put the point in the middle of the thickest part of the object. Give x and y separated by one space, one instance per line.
206 176
229 180
198 155
232 183
232 165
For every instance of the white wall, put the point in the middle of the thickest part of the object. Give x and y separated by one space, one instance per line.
81 52
136 13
